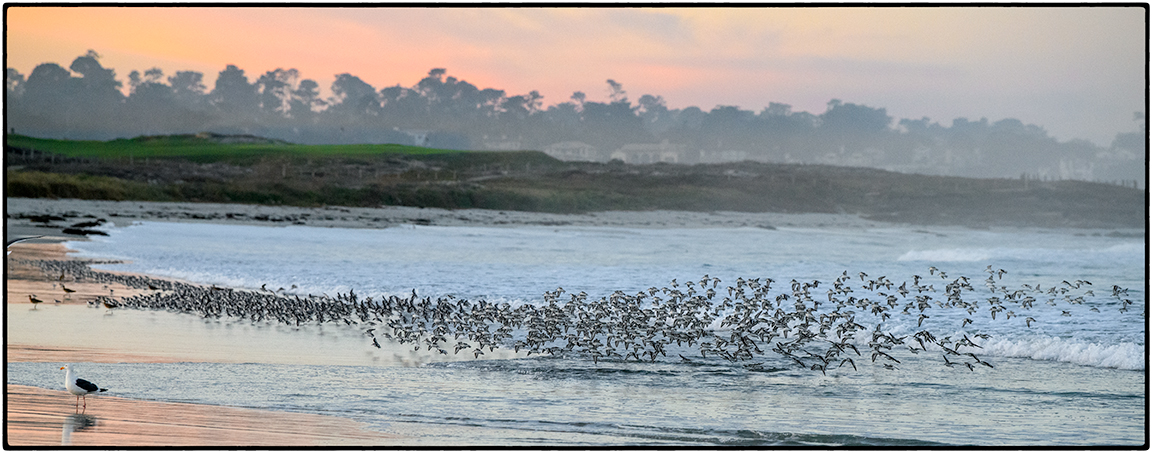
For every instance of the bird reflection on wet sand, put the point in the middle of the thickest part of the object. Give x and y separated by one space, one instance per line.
73 423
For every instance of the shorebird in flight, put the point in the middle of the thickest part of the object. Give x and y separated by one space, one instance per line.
9 243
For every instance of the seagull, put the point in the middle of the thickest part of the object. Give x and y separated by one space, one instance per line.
79 387
9 243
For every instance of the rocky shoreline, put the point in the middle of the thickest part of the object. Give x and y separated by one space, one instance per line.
33 216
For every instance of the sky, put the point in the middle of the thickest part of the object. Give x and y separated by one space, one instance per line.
1078 72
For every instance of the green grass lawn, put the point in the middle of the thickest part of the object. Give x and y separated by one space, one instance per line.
206 149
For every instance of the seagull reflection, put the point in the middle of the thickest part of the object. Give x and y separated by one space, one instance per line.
75 422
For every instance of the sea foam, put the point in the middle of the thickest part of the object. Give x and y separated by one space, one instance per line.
1124 356
946 255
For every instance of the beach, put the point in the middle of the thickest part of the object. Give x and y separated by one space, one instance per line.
346 392
36 417
40 417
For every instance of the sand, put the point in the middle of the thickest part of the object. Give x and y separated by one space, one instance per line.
40 417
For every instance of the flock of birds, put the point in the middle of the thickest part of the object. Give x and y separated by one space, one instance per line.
819 326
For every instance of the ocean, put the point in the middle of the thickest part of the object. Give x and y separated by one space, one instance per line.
1073 374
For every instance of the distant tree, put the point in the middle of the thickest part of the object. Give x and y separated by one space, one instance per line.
616 92
234 96
14 84
578 97
48 104
97 98
98 85
854 119
563 122
654 113
149 97
85 100
402 107
520 107
276 88
728 127
305 100
434 89
50 80
150 85
353 97
614 124
777 109
188 89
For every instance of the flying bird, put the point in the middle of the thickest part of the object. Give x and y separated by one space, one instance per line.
13 241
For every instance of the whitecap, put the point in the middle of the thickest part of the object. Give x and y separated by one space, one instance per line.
1124 356
946 255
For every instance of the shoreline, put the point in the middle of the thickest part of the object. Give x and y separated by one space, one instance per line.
20 211
31 216
39 417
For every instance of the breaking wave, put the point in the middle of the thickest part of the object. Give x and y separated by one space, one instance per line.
1124 356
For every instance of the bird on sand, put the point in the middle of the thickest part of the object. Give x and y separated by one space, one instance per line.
110 305
79 387
32 298
9 243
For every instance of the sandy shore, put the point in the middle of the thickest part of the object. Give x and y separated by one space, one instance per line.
40 417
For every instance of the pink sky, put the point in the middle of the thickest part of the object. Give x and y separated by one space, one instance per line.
1078 72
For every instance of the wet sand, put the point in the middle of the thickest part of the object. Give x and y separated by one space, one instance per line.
40 417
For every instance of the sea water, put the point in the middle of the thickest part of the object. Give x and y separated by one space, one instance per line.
1075 378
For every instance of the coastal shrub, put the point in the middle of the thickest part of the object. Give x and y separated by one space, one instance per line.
34 184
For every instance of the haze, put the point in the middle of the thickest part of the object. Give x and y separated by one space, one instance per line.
1078 72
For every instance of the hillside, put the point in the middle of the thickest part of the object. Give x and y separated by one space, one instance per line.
219 168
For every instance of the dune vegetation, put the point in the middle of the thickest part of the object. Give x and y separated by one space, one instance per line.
247 169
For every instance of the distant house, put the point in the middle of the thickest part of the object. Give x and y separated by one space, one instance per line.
648 153
574 151
728 155
503 143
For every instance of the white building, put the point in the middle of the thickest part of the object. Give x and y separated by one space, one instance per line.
502 143
574 151
719 157
648 153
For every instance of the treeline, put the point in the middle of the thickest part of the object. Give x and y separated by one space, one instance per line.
87 101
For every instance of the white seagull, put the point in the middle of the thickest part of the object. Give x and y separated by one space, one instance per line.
79 387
